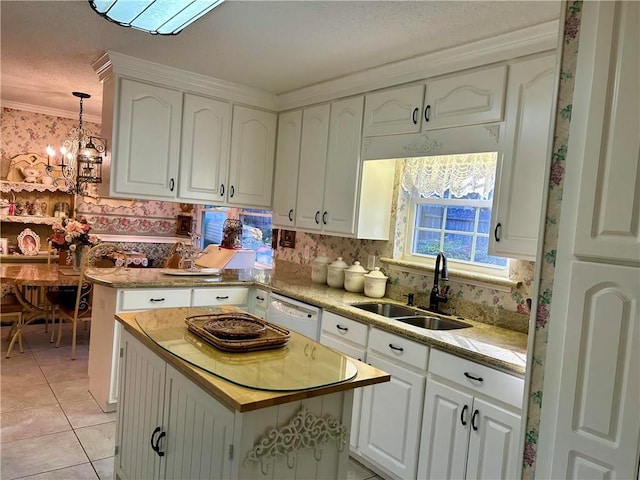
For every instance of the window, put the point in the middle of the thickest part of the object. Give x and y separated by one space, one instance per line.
450 210
256 229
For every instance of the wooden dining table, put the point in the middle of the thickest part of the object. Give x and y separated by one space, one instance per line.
20 277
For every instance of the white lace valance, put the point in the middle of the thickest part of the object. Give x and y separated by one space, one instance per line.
460 174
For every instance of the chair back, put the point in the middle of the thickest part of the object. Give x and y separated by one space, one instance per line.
174 257
103 255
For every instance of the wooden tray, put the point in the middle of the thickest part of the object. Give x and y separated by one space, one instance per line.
235 326
273 336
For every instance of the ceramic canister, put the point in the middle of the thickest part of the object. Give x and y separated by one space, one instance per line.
354 278
319 268
375 283
335 273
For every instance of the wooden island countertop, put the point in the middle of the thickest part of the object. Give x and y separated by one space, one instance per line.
234 395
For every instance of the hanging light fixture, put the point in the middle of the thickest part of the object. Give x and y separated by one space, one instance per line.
158 17
80 160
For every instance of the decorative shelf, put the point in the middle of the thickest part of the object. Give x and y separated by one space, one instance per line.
29 219
6 187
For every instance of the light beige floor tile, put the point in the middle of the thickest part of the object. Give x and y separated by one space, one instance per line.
105 468
78 472
71 391
21 397
20 371
86 413
356 471
41 454
32 422
71 370
56 356
98 440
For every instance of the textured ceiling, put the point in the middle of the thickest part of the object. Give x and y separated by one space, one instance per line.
48 47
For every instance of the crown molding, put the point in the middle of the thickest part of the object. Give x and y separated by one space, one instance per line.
27 107
527 41
113 63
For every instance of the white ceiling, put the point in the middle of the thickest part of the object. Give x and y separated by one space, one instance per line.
277 46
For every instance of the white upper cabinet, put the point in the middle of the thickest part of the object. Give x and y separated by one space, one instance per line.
146 140
204 158
253 141
285 184
313 158
393 111
524 152
465 99
343 167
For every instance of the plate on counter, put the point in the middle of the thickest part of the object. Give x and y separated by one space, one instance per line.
194 272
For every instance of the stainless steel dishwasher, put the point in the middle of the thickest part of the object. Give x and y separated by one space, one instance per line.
294 315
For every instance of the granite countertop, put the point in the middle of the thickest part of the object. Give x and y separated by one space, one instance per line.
493 346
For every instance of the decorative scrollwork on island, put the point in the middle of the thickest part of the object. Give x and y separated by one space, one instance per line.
304 430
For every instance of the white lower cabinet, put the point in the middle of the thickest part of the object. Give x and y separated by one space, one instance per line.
259 303
167 426
391 412
349 337
471 421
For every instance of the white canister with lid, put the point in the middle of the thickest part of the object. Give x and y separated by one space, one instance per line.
319 268
335 273
354 278
375 283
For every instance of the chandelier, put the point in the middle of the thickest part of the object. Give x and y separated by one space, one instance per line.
158 17
80 160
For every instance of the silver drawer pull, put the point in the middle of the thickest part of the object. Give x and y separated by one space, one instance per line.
473 377
156 299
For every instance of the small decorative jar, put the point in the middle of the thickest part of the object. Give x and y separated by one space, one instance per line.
335 273
375 283
354 278
319 269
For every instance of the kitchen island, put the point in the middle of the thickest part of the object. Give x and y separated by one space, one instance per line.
280 413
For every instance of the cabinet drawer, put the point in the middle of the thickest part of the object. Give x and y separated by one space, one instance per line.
220 296
345 328
399 348
480 378
144 299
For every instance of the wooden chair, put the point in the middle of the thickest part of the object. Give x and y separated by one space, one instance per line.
104 255
12 308
173 259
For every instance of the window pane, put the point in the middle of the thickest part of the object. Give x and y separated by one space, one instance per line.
426 242
458 246
429 216
484 222
256 235
482 253
213 221
461 219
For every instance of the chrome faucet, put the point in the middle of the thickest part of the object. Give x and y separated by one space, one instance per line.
439 295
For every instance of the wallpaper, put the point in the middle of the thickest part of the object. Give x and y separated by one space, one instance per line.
27 132
554 203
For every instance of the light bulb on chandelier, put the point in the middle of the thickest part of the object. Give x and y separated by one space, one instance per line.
80 160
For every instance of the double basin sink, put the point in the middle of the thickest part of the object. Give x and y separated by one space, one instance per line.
411 316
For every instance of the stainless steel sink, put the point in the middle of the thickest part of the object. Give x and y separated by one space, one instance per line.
433 323
411 316
391 310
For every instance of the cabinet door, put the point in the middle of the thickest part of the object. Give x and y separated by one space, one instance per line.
393 111
147 144
493 442
204 153
285 186
391 418
520 172
313 158
253 141
199 431
142 380
445 432
343 167
465 99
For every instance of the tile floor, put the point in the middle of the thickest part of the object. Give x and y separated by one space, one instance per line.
50 426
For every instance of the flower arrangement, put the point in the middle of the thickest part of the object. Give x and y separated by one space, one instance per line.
70 233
